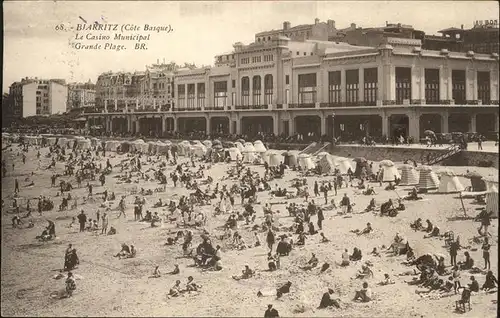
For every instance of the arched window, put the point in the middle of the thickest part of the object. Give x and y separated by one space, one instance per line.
256 88
268 89
245 91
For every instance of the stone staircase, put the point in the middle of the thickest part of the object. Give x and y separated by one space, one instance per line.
450 152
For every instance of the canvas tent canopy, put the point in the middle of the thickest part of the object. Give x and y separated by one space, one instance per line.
207 143
327 164
477 182
259 146
234 154
198 150
492 201
343 164
291 158
305 162
239 145
112 145
275 159
409 176
449 182
428 179
83 144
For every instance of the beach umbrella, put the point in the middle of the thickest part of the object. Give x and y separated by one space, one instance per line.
216 142
386 163
429 133
207 143
228 144
473 174
242 141
360 159
217 147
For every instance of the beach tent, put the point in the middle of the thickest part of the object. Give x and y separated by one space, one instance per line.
477 182
343 164
321 155
389 171
449 182
275 159
239 145
409 176
265 155
83 144
291 158
207 143
94 142
33 140
161 148
111 145
249 147
152 147
140 145
327 164
216 142
259 146
198 150
125 146
234 153
228 144
492 201
51 141
249 157
305 162
427 178
491 181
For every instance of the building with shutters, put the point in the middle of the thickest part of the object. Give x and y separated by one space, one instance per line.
309 86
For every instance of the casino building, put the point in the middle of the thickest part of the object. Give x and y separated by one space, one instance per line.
304 83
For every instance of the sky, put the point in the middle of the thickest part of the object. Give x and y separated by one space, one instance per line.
34 48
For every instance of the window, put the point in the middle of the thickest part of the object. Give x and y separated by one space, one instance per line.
483 87
256 88
458 86
181 91
352 86
305 53
287 79
268 89
233 98
334 87
201 95
370 86
190 96
256 59
287 96
38 93
268 58
154 85
245 60
298 53
220 94
431 86
233 83
307 88
245 91
403 84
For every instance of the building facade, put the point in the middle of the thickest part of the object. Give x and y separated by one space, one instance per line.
284 87
81 95
34 97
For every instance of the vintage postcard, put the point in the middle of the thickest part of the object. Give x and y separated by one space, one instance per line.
250 158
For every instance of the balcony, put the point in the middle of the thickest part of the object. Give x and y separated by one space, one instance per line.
246 107
302 106
184 109
215 108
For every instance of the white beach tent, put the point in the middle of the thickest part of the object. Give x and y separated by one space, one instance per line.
112 145
259 146
305 161
51 141
62 142
275 159
343 164
492 201
198 150
83 144
449 182
239 145
207 143
234 153
265 155
389 171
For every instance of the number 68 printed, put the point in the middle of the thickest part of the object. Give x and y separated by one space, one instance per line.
60 27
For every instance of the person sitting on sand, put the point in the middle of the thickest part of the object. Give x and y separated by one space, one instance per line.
490 282
72 260
356 255
375 252
271 262
176 289
112 231
366 230
365 272
312 230
285 289
175 271
155 220
365 294
327 301
16 221
312 263
387 280
156 273
369 191
345 258
401 206
371 206
324 239
434 233
246 273
191 285
301 240
417 225
390 186
124 251
429 227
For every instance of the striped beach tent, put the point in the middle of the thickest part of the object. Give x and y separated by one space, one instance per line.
449 182
492 201
305 162
428 179
327 164
409 176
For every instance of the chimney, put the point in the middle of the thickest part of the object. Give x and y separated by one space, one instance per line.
316 21
353 25
157 61
331 24
462 26
286 25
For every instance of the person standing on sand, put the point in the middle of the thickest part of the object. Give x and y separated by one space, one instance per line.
271 239
70 284
82 219
16 186
271 312
104 220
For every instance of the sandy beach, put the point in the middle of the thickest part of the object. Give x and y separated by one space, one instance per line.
113 287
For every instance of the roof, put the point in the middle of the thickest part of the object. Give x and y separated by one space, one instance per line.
450 29
344 47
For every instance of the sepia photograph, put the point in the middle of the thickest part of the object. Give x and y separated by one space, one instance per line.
250 159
